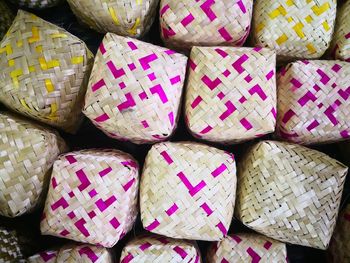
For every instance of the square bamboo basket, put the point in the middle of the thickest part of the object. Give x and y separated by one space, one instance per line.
246 247
188 191
160 249
290 193
92 197
295 29
135 90
10 249
37 4
226 22
314 102
45 72
6 18
27 153
231 93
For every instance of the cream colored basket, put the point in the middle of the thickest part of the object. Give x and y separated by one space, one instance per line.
247 248
341 39
190 23
6 18
27 153
314 102
339 249
231 93
44 72
10 249
37 4
135 90
123 17
290 193
295 29
160 249
188 191
92 197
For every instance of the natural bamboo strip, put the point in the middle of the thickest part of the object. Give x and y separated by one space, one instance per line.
10 249
6 18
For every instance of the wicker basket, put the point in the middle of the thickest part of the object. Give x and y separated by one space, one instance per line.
314 102
160 249
74 253
37 4
195 188
45 72
10 249
339 249
27 153
92 197
123 17
6 18
231 93
290 193
135 90
295 29
226 22
341 39
247 248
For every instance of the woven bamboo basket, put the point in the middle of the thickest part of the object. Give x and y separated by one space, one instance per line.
123 17
247 248
44 72
295 29
290 193
27 153
10 249
92 197
6 18
37 4
74 253
135 90
195 188
226 22
341 38
160 249
339 249
231 93
313 102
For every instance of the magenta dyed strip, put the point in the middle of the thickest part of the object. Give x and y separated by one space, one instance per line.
288 135
175 80
102 118
192 64
212 84
180 251
153 225
336 67
258 90
163 240
197 259
267 245
103 205
207 209
345 134
287 116
224 260
166 157
313 125
222 228
172 209
237 65
225 35
47 256
345 95
130 163
169 52
132 45
115 223
242 6
270 74
274 113
80 225
84 181
71 215
144 124
54 182
196 101
206 130
206 7
167 33
102 49
71 159
237 239
117 73
246 124
257 49
171 118
193 190
98 85
129 184
145 246
221 95
296 83
347 36
89 253
230 109
324 76
105 171
164 9
130 102
64 233
59 203
255 257
329 113
158 89
221 52
306 98
219 170
187 20
128 258
145 61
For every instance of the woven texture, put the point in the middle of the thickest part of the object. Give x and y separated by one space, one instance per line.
123 17
231 93
10 250
44 72
37 4
27 153
135 90
160 249
290 193
92 197
314 101
341 38
74 253
6 18
188 191
340 245
243 248
295 29
226 22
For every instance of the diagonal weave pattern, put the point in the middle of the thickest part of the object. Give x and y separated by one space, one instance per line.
295 29
290 193
247 248
188 191
44 72
226 22
27 153
38 4
123 17
314 101
160 249
6 18
231 93
135 90
92 197
10 250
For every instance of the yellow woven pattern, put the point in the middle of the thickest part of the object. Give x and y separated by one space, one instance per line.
10 250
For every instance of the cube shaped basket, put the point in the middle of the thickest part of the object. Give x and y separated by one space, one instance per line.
10 249
231 93
195 188
290 193
92 197
6 18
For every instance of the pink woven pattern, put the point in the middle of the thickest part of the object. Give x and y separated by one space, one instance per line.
135 89
92 197
314 101
188 191
231 93
226 22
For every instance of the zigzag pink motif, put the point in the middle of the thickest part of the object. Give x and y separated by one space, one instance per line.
103 205
83 180
255 257
230 109
180 251
212 84
158 89
145 61
80 225
89 253
237 65
59 203
130 102
206 7
258 90
193 190
98 85
324 76
330 114
306 98
117 73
